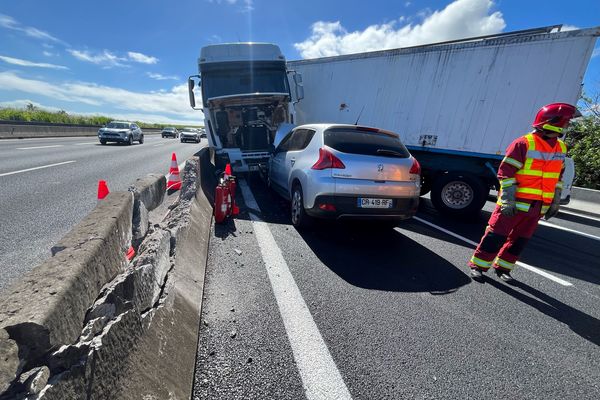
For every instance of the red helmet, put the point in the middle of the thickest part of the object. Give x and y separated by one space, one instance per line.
556 116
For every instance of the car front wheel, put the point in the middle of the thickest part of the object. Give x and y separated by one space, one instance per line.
130 141
300 219
141 139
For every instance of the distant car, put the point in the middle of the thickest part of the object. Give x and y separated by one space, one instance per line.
189 135
122 132
344 171
202 133
170 132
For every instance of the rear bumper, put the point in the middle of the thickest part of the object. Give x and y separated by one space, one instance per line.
189 138
346 207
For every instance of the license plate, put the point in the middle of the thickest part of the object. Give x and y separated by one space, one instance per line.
364 202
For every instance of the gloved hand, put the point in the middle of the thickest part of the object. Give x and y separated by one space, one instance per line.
554 206
508 201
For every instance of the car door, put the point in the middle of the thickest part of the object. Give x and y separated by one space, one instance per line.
298 141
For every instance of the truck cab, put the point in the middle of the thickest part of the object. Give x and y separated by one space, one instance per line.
246 96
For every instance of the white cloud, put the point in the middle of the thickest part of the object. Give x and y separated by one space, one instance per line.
165 104
459 19
141 58
9 22
48 54
160 77
245 5
105 58
25 63
109 59
149 118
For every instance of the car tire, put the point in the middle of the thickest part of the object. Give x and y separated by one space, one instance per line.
141 139
300 219
130 140
103 142
458 194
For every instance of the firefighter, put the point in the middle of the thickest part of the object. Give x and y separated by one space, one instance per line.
530 178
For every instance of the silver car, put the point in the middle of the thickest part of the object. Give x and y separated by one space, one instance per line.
121 132
189 135
344 171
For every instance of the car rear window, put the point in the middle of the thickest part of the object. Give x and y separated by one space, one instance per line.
371 143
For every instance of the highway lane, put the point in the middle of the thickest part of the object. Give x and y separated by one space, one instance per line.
38 206
398 313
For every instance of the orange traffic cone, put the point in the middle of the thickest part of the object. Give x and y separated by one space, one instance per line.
174 181
102 189
130 253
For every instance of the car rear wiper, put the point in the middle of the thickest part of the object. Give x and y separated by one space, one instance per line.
390 152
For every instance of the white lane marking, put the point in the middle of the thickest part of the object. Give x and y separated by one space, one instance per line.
562 228
83 144
40 147
519 263
320 377
158 144
34 168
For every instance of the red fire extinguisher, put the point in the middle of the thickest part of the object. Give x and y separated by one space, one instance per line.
225 197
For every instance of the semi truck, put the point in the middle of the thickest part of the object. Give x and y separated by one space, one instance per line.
457 105
246 96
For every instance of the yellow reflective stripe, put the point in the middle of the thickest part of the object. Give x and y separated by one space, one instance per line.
563 146
552 128
481 263
551 175
513 162
523 206
549 195
507 182
529 172
529 190
504 264
531 141
544 209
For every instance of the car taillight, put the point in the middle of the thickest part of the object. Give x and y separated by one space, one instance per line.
327 160
415 168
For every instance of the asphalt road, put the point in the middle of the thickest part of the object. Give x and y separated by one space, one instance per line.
356 311
50 184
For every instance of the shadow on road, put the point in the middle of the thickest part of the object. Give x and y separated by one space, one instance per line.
581 323
380 258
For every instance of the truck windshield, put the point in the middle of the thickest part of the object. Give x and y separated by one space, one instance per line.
241 81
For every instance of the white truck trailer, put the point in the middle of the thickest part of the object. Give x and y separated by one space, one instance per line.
457 105
246 97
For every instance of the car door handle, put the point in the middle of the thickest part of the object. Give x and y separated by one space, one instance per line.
293 161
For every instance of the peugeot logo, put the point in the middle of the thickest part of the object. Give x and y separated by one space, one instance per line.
380 168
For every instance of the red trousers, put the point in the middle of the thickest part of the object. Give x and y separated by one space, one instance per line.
505 238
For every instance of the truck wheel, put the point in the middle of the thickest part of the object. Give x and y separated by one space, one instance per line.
458 194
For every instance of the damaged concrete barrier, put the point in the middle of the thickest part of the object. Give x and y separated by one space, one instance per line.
46 309
149 193
136 335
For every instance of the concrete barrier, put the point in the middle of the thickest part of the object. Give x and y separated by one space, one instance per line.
137 336
584 194
45 310
23 131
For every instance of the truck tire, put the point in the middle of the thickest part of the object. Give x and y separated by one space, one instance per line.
458 194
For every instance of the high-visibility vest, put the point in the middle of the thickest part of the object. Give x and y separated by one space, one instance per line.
539 176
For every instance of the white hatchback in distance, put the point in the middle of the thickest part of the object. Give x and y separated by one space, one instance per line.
344 171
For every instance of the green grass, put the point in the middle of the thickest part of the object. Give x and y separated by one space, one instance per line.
34 114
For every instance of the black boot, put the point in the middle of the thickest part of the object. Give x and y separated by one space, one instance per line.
504 275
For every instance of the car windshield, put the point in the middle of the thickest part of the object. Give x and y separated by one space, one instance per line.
169 129
365 141
118 125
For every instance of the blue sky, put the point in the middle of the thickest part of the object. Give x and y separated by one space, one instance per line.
130 59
